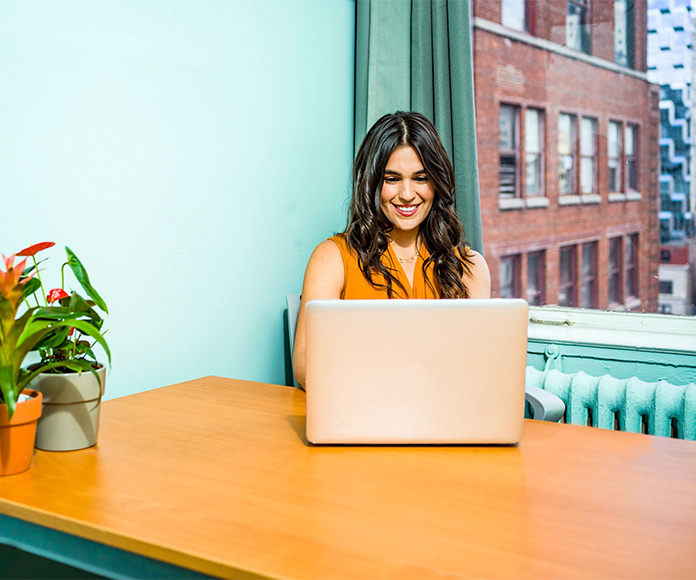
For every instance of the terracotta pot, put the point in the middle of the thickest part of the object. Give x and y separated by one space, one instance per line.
17 435
71 405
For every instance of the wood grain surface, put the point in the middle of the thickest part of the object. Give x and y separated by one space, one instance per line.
216 475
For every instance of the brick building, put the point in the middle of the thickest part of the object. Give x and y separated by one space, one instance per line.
567 128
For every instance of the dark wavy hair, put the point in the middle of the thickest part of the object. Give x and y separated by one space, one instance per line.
441 231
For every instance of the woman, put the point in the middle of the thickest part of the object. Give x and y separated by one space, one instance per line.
403 238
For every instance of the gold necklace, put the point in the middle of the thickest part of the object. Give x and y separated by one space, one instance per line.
407 260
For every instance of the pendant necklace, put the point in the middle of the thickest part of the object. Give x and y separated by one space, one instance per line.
407 260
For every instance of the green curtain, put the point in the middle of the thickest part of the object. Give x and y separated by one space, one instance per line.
416 55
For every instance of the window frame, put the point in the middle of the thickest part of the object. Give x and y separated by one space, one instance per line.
631 165
516 262
539 295
525 14
591 278
583 33
569 286
630 267
617 157
540 154
615 278
573 155
626 59
514 153
592 157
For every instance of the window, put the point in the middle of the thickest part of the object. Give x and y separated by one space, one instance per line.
666 287
615 271
630 149
614 156
534 170
566 283
566 153
588 155
589 275
631 265
623 32
514 14
508 128
535 278
510 277
577 25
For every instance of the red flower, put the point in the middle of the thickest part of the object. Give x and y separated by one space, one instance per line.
10 280
56 294
36 248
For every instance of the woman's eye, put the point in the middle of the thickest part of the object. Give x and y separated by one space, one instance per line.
391 179
421 179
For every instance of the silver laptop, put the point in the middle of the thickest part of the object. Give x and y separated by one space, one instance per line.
416 371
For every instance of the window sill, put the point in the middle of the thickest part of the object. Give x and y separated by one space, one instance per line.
566 199
539 201
634 196
506 203
617 197
654 332
632 303
591 198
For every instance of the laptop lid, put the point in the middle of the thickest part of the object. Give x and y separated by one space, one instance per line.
416 371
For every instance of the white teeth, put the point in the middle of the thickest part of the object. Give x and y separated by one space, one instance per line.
406 207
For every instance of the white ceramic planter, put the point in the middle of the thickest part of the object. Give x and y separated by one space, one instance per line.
71 406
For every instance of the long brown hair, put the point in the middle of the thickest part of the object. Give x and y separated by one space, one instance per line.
441 231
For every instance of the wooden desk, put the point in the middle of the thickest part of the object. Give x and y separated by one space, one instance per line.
215 475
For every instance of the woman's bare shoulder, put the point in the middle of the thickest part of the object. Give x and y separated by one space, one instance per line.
478 278
324 273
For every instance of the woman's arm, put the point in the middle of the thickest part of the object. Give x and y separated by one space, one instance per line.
324 279
478 281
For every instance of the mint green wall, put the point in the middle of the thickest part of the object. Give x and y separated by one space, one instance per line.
191 153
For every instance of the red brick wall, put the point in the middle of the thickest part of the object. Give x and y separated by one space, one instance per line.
510 72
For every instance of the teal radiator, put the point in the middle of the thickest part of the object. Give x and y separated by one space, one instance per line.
659 408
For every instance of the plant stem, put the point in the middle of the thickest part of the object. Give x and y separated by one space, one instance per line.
38 275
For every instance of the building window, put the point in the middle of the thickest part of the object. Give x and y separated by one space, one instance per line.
509 141
631 265
630 150
589 275
566 153
533 146
588 155
623 32
566 283
514 14
535 278
666 287
578 25
615 271
614 156
510 277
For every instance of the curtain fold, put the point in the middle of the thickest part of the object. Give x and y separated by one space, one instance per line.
417 55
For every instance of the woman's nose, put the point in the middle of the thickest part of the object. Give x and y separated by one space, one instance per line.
407 192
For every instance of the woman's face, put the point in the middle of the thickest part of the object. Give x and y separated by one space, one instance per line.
407 194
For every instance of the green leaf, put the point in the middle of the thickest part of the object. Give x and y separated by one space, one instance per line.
82 277
8 388
30 287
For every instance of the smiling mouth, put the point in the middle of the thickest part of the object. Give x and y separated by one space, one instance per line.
406 210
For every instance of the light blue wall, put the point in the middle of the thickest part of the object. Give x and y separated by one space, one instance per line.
192 153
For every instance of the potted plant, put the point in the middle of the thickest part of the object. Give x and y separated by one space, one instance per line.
69 376
20 333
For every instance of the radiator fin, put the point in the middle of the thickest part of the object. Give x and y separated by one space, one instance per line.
659 408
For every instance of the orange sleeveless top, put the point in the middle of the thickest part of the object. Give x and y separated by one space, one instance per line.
357 287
